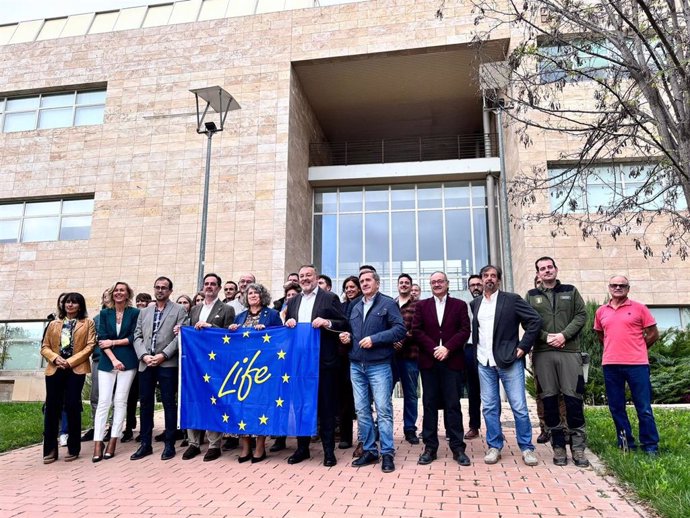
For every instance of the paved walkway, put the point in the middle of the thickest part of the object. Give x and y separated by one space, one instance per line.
120 488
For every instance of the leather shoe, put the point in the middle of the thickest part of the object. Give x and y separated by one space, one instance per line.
344 445
258 459
212 454
127 436
191 452
298 457
278 445
387 464
168 452
427 457
142 451
366 459
544 437
231 443
472 433
411 437
329 459
359 450
462 458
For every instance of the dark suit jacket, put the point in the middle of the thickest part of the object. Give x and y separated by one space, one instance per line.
511 311
327 305
453 331
221 314
107 330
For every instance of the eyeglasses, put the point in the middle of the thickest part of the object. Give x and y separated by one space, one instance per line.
614 286
210 284
161 288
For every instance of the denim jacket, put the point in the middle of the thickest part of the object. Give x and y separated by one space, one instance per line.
383 323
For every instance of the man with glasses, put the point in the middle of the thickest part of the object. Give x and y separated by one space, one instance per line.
155 343
557 360
210 313
627 329
475 287
238 303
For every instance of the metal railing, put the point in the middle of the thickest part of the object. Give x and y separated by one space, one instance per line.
410 149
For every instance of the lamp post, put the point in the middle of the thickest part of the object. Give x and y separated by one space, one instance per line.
222 103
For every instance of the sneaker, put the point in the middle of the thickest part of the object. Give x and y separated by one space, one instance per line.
579 458
63 439
560 457
492 456
529 458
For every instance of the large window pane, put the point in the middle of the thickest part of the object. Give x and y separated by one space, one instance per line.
404 231
57 100
376 198
21 121
429 197
325 201
23 356
376 238
325 233
11 210
55 118
40 229
46 208
25 103
350 244
93 97
481 239
75 227
350 199
402 197
459 240
77 206
479 195
457 195
88 115
430 235
9 230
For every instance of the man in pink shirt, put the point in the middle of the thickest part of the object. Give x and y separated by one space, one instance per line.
627 329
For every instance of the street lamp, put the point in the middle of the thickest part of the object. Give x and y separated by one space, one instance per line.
222 103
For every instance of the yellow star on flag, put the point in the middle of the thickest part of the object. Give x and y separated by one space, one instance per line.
206 378
245 334
211 355
279 402
226 339
242 425
213 400
281 355
263 419
225 418
267 338
286 378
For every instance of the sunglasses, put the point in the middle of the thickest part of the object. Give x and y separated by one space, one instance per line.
621 286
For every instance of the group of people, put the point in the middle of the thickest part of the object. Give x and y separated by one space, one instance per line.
368 342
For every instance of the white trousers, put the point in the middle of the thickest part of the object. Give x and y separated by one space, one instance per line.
106 384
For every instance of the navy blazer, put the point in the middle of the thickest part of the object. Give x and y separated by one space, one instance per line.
453 332
107 330
328 306
269 317
511 312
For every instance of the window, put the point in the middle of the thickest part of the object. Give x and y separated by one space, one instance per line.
20 345
604 186
51 220
568 62
415 229
671 316
52 110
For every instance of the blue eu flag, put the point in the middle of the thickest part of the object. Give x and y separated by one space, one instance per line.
250 382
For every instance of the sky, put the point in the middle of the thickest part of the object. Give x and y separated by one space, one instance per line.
12 11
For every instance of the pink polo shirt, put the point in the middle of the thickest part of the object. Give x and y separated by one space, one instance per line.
623 332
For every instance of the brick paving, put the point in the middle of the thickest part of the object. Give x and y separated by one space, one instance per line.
150 487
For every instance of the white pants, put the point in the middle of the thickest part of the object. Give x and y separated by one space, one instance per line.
106 383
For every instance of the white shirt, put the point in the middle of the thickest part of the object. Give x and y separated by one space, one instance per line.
206 311
237 305
440 307
306 306
485 317
367 306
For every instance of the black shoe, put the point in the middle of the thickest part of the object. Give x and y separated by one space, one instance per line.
329 459
230 443
462 458
411 437
245 458
191 452
137 438
258 459
298 457
544 437
427 457
88 435
365 460
127 436
168 452
179 435
344 445
278 445
142 451
160 437
212 454
387 464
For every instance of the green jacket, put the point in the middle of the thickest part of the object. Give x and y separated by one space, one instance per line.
562 310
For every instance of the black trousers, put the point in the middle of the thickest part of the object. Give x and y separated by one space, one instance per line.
166 378
440 390
472 384
346 400
63 389
327 408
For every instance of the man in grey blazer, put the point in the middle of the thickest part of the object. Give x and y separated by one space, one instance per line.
211 313
155 343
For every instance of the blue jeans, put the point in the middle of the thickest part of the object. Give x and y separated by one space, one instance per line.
637 377
513 379
407 371
374 380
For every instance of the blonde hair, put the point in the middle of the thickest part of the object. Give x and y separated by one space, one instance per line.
110 303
